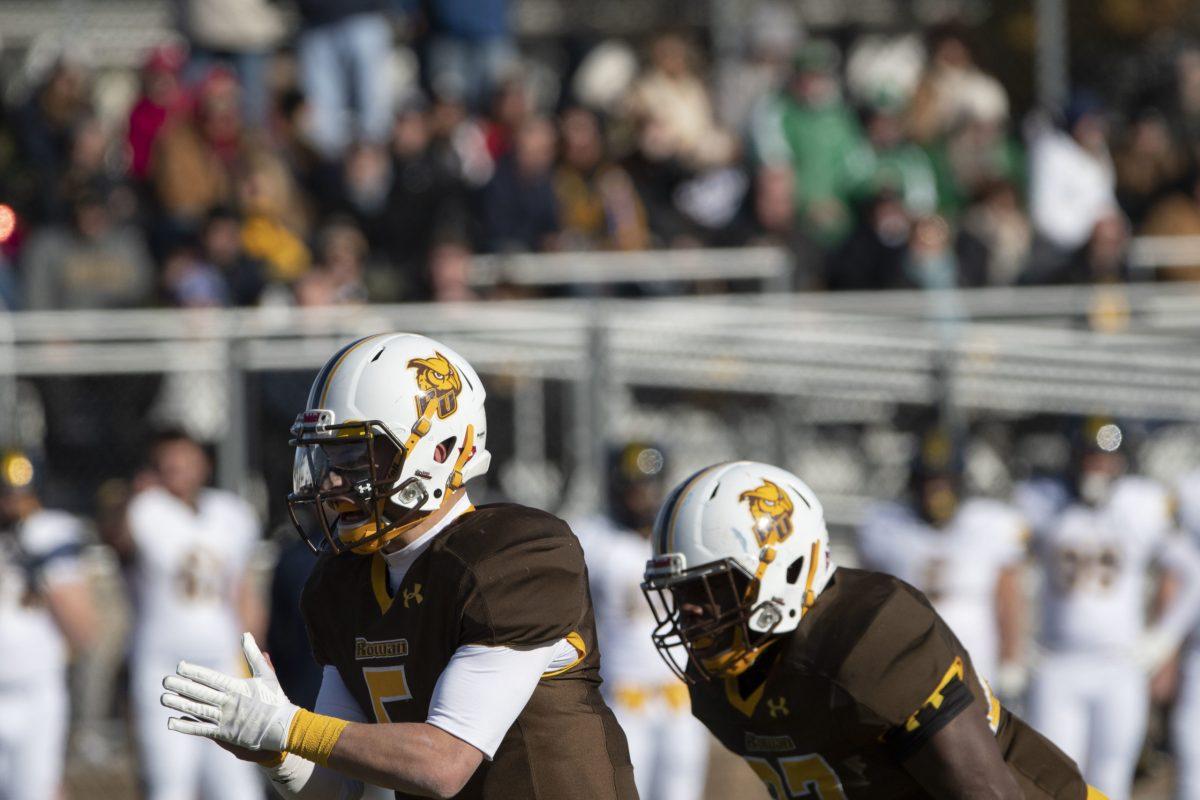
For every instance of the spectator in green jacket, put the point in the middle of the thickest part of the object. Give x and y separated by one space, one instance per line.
811 127
893 160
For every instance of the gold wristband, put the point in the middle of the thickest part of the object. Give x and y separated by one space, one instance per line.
313 736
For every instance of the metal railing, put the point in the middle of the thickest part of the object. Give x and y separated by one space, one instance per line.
769 267
850 358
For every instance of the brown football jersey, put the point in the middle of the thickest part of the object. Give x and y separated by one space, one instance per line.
871 673
499 575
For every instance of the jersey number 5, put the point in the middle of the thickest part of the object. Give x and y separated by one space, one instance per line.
798 776
386 685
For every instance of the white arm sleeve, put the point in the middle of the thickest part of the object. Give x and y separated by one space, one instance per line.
483 689
299 779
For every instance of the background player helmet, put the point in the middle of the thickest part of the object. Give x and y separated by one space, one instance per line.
936 474
746 541
635 484
394 424
19 476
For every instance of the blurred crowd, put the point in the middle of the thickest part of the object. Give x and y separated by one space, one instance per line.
323 152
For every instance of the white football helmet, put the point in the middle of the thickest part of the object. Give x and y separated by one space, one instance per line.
740 553
394 425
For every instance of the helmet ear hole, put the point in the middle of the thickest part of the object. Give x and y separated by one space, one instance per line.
443 449
793 570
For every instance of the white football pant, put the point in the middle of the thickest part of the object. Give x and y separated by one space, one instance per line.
33 736
1094 707
1185 727
178 767
667 745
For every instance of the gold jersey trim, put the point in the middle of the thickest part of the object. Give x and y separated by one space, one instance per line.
746 705
379 583
576 641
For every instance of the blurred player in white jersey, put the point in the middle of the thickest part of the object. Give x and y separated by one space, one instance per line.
669 748
1096 543
965 554
188 546
46 610
1185 722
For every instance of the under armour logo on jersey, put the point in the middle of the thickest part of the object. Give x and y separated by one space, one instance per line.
414 595
778 707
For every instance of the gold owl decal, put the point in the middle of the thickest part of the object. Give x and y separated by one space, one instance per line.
771 509
440 382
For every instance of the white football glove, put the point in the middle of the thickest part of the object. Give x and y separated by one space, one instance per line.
1012 679
253 713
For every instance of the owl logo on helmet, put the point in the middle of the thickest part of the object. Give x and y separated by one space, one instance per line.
771 509
438 378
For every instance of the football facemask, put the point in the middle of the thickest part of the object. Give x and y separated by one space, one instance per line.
346 494
702 620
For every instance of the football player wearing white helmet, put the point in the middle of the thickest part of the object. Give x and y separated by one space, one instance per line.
46 611
1103 542
837 682
189 547
668 747
458 643
964 553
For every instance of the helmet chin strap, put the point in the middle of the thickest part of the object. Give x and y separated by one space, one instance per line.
464 455
736 660
419 526
814 561
420 427
368 528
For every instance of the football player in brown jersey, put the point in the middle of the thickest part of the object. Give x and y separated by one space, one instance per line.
830 683
458 644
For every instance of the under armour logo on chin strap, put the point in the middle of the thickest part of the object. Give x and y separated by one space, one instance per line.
778 707
414 595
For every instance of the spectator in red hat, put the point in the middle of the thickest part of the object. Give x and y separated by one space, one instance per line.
161 100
